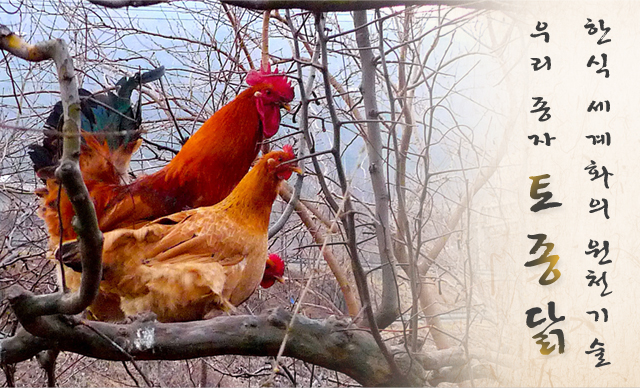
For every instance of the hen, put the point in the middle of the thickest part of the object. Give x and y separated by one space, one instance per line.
204 172
189 264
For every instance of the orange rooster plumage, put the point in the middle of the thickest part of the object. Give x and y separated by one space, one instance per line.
205 171
186 265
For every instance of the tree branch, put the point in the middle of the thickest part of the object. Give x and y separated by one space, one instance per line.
304 129
351 5
353 305
126 3
68 173
483 177
315 5
389 307
348 215
330 343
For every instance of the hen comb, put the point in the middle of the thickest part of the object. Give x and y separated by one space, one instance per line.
279 80
277 262
289 149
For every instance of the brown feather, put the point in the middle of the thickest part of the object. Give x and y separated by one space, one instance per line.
204 172
183 266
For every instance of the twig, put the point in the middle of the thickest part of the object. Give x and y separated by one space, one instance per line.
160 146
126 368
183 139
353 305
127 3
353 5
13 82
469 263
239 38
298 304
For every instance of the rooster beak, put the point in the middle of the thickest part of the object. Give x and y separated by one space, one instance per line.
287 107
280 279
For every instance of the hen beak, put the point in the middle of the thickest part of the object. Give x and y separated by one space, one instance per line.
297 170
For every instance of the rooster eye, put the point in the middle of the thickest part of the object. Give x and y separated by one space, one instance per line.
267 92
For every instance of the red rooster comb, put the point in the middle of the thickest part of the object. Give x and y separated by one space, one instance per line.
289 149
273 272
279 80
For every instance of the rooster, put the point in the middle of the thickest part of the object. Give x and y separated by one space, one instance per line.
212 161
205 171
191 264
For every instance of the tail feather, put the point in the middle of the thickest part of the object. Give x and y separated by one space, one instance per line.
111 134
126 85
69 255
41 157
110 116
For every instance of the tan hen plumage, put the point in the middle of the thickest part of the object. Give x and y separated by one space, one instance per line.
186 265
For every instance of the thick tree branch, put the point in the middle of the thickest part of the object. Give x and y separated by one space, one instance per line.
330 343
70 176
346 213
126 3
315 5
22 346
389 307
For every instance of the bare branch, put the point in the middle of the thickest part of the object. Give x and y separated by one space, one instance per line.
456 216
126 3
70 176
333 344
388 310
353 5
353 305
